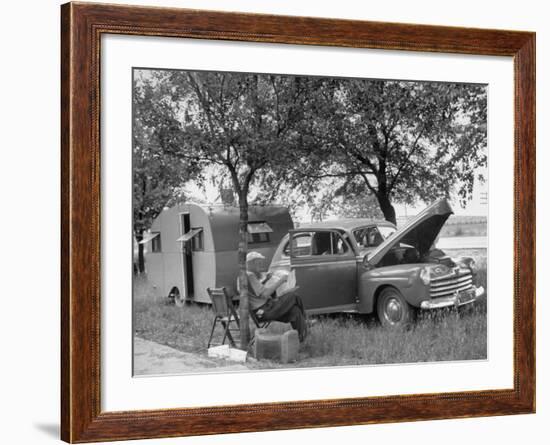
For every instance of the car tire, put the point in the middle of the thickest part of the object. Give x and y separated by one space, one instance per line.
393 310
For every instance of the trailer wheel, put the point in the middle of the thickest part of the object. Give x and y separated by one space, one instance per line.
174 297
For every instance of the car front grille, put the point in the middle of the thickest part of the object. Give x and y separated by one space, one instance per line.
446 286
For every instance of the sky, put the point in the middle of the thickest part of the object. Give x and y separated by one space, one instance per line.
477 206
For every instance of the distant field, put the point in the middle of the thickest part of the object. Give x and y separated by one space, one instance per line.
458 225
464 230
334 340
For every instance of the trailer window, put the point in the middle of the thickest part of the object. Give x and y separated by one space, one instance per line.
197 242
257 238
258 232
155 243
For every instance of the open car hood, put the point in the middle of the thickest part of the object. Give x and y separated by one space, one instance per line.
420 232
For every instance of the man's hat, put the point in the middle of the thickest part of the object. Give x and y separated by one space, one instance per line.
254 256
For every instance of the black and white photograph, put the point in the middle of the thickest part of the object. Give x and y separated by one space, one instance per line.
285 221
275 222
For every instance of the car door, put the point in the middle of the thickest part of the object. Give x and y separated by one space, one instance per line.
325 268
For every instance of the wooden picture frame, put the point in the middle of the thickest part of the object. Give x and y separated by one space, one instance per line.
82 26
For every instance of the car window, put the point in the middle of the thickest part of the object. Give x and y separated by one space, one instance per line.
301 245
368 236
329 243
372 236
386 231
342 244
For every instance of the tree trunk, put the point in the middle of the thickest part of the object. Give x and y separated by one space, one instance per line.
141 257
387 208
243 280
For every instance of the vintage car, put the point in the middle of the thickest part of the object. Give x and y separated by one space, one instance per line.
364 266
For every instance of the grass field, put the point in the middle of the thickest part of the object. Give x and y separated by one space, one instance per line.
341 339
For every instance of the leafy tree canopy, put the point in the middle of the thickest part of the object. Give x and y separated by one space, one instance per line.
401 141
157 175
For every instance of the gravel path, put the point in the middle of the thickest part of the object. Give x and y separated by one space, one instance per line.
151 358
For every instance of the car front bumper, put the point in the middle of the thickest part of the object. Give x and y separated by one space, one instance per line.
458 299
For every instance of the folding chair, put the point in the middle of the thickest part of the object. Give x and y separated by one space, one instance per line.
224 313
259 323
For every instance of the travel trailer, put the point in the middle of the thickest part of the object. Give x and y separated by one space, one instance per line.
191 247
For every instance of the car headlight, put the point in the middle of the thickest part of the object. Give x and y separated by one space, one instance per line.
425 276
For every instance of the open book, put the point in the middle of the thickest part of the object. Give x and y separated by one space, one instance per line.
287 287
290 290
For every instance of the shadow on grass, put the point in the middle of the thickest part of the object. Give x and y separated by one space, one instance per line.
334 339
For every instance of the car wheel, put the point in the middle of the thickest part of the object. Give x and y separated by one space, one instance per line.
392 309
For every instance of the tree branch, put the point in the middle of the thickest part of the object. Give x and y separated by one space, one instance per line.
370 187
234 177
400 169
333 175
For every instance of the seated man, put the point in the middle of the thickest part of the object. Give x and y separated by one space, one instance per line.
288 308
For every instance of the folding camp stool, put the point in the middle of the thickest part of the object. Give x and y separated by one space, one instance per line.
224 313
262 324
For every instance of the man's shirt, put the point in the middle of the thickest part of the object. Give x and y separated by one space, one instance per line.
255 289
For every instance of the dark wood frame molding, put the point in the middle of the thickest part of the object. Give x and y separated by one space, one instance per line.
81 28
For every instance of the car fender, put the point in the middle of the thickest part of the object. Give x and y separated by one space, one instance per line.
404 277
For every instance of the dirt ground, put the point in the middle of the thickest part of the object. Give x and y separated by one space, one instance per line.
151 358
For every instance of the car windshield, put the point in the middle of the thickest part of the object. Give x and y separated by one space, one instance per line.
372 236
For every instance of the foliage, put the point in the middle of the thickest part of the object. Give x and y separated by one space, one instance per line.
244 123
156 173
331 144
358 206
402 141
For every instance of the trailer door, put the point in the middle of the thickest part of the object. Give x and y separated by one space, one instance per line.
187 256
